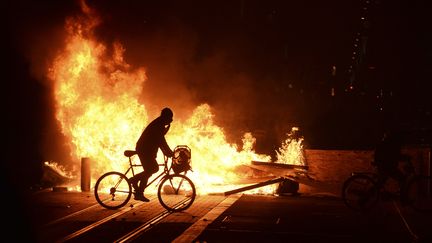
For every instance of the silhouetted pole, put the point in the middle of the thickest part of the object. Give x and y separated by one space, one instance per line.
429 173
85 174
429 163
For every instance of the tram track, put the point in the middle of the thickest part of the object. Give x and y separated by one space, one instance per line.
97 223
80 212
132 223
78 235
149 224
75 224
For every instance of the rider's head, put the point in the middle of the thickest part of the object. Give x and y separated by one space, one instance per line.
167 115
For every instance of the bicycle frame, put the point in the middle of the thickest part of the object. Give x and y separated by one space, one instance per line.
120 186
362 190
408 170
165 171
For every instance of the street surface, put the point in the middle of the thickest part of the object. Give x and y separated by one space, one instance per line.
76 217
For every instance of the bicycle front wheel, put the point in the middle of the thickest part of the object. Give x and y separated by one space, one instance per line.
360 192
113 190
176 192
418 193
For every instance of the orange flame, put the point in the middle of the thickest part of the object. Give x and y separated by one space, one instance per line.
291 151
98 109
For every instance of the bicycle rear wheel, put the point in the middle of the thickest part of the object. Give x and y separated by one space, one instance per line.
113 190
418 193
360 192
176 192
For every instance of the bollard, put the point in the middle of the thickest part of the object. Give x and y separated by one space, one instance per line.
85 174
429 173
429 167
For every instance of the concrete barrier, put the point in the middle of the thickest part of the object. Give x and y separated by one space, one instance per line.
331 168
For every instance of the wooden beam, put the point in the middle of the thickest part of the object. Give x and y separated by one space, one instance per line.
280 165
261 184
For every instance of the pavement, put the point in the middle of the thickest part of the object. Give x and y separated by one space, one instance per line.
316 214
315 218
305 217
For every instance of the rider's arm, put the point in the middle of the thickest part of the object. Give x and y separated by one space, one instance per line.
165 148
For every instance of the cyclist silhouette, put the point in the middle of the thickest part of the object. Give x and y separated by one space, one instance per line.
151 139
388 155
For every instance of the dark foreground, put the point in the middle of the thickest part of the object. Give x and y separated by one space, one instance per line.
75 217
315 219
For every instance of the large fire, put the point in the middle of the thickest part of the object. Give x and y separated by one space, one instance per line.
99 112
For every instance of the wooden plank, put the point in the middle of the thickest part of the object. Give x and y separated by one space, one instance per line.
261 184
294 173
280 165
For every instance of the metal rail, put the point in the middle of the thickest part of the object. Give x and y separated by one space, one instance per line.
71 215
97 223
149 224
127 237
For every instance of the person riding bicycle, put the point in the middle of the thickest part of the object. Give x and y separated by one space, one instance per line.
388 154
151 139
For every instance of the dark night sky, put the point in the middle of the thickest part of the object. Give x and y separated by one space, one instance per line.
264 66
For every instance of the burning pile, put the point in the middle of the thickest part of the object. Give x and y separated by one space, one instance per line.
100 113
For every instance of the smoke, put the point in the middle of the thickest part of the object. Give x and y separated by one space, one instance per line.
190 60
193 53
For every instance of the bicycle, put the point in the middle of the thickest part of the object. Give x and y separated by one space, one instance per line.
361 191
176 192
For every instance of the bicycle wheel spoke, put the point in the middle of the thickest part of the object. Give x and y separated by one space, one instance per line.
177 185
112 190
176 192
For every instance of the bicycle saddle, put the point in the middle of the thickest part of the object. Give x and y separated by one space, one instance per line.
129 153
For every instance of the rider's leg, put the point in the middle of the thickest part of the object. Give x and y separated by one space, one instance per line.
135 180
150 167
144 177
141 178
